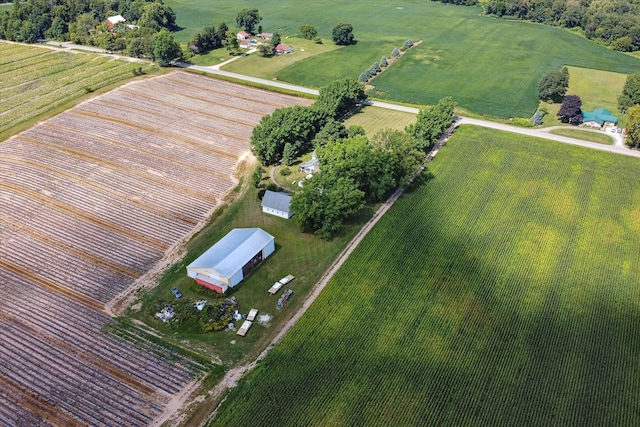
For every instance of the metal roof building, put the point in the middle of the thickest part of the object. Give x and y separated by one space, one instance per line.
277 204
232 258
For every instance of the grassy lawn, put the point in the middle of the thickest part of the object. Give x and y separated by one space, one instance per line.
269 68
600 137
490 66
303 255
374 119
212 58
597 89
501 292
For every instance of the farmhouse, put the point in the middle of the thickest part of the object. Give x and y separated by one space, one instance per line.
113 20
312 165
243 35
598 118
282 48
277 204
232 258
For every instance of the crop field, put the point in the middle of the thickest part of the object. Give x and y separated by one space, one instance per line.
34 80
91 199
489 66
503 291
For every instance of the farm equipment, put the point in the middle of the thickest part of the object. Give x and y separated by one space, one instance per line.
285 296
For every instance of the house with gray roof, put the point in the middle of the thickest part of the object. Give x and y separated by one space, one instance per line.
277 204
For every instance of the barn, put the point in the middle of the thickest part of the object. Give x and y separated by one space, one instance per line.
232 258
276 203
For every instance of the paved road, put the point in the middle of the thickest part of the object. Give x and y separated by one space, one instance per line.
618 148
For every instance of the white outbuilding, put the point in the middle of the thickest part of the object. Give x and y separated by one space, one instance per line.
232 258
278 204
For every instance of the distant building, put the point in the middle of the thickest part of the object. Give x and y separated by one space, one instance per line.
265 36
232 258
243 35
598 118
277 204
113 20
245 44
283 49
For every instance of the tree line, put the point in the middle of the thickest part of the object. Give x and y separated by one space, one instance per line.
354 169
615 23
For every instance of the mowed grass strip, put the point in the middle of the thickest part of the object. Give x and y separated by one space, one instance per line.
501 292
601 137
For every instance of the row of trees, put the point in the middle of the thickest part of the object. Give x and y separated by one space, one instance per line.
629 103
356 170
613 22
294 128
84 21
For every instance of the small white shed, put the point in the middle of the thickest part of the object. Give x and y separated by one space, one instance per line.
277 204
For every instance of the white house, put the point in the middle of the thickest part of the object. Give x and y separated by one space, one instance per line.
243 35
232 258
277 204
312 165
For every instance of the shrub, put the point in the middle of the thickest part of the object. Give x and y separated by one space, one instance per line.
408 43
522 122
317 40
536 120
256 178
273 187
383 61
395 53
285 171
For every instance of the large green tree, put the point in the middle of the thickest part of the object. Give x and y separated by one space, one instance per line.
295 125
553 85
308 31
431 123
343 35
404 159
633 126
355 158
630 93
164 48
324 202
340 96
248 18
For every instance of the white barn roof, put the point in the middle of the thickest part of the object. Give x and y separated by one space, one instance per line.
276 200
233 251
116 19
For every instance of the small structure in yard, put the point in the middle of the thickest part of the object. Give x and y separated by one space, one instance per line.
166 314
244 328
282 49
277 203
285 296
232 258
252 314
265 36
280 283
598 118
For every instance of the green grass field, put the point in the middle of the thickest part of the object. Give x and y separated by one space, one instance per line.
597 89
503 291
374 119
35 81
600 137
304 255
489 66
